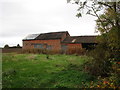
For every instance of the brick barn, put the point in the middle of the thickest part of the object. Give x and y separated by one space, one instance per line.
58 41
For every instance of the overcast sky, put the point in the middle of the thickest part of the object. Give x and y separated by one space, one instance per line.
18 18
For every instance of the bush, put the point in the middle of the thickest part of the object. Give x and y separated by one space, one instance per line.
100 65
40 51
6 46
102 83
32 51
44 51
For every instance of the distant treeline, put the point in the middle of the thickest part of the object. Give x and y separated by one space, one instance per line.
8 49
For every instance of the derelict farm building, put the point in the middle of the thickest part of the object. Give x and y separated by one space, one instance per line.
57 41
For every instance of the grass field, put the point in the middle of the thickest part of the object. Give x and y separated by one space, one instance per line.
36 71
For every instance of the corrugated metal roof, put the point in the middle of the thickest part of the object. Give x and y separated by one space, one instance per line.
51 35
31 37
80 39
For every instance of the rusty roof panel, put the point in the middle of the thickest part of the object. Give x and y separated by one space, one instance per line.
80 39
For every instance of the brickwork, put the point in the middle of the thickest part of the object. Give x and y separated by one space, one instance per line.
74 49
29 44
11 50
74 46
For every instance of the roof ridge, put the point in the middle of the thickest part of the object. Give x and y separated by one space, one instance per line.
55 32
84 35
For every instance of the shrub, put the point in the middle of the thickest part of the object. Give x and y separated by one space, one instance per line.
40 51
32 51
6 46
100 65
101 83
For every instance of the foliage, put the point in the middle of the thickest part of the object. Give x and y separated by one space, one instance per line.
110 34
18 45
106 56
100 65
6 46
70 51
40 51
110 83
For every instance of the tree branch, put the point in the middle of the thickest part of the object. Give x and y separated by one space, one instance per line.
109 21
105 5
98 18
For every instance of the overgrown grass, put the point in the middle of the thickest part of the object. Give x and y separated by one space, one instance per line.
36 71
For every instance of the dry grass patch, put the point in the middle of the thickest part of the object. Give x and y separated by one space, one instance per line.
31 57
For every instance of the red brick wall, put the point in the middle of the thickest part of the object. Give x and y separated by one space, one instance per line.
56 45
74 46
74 49
11 50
